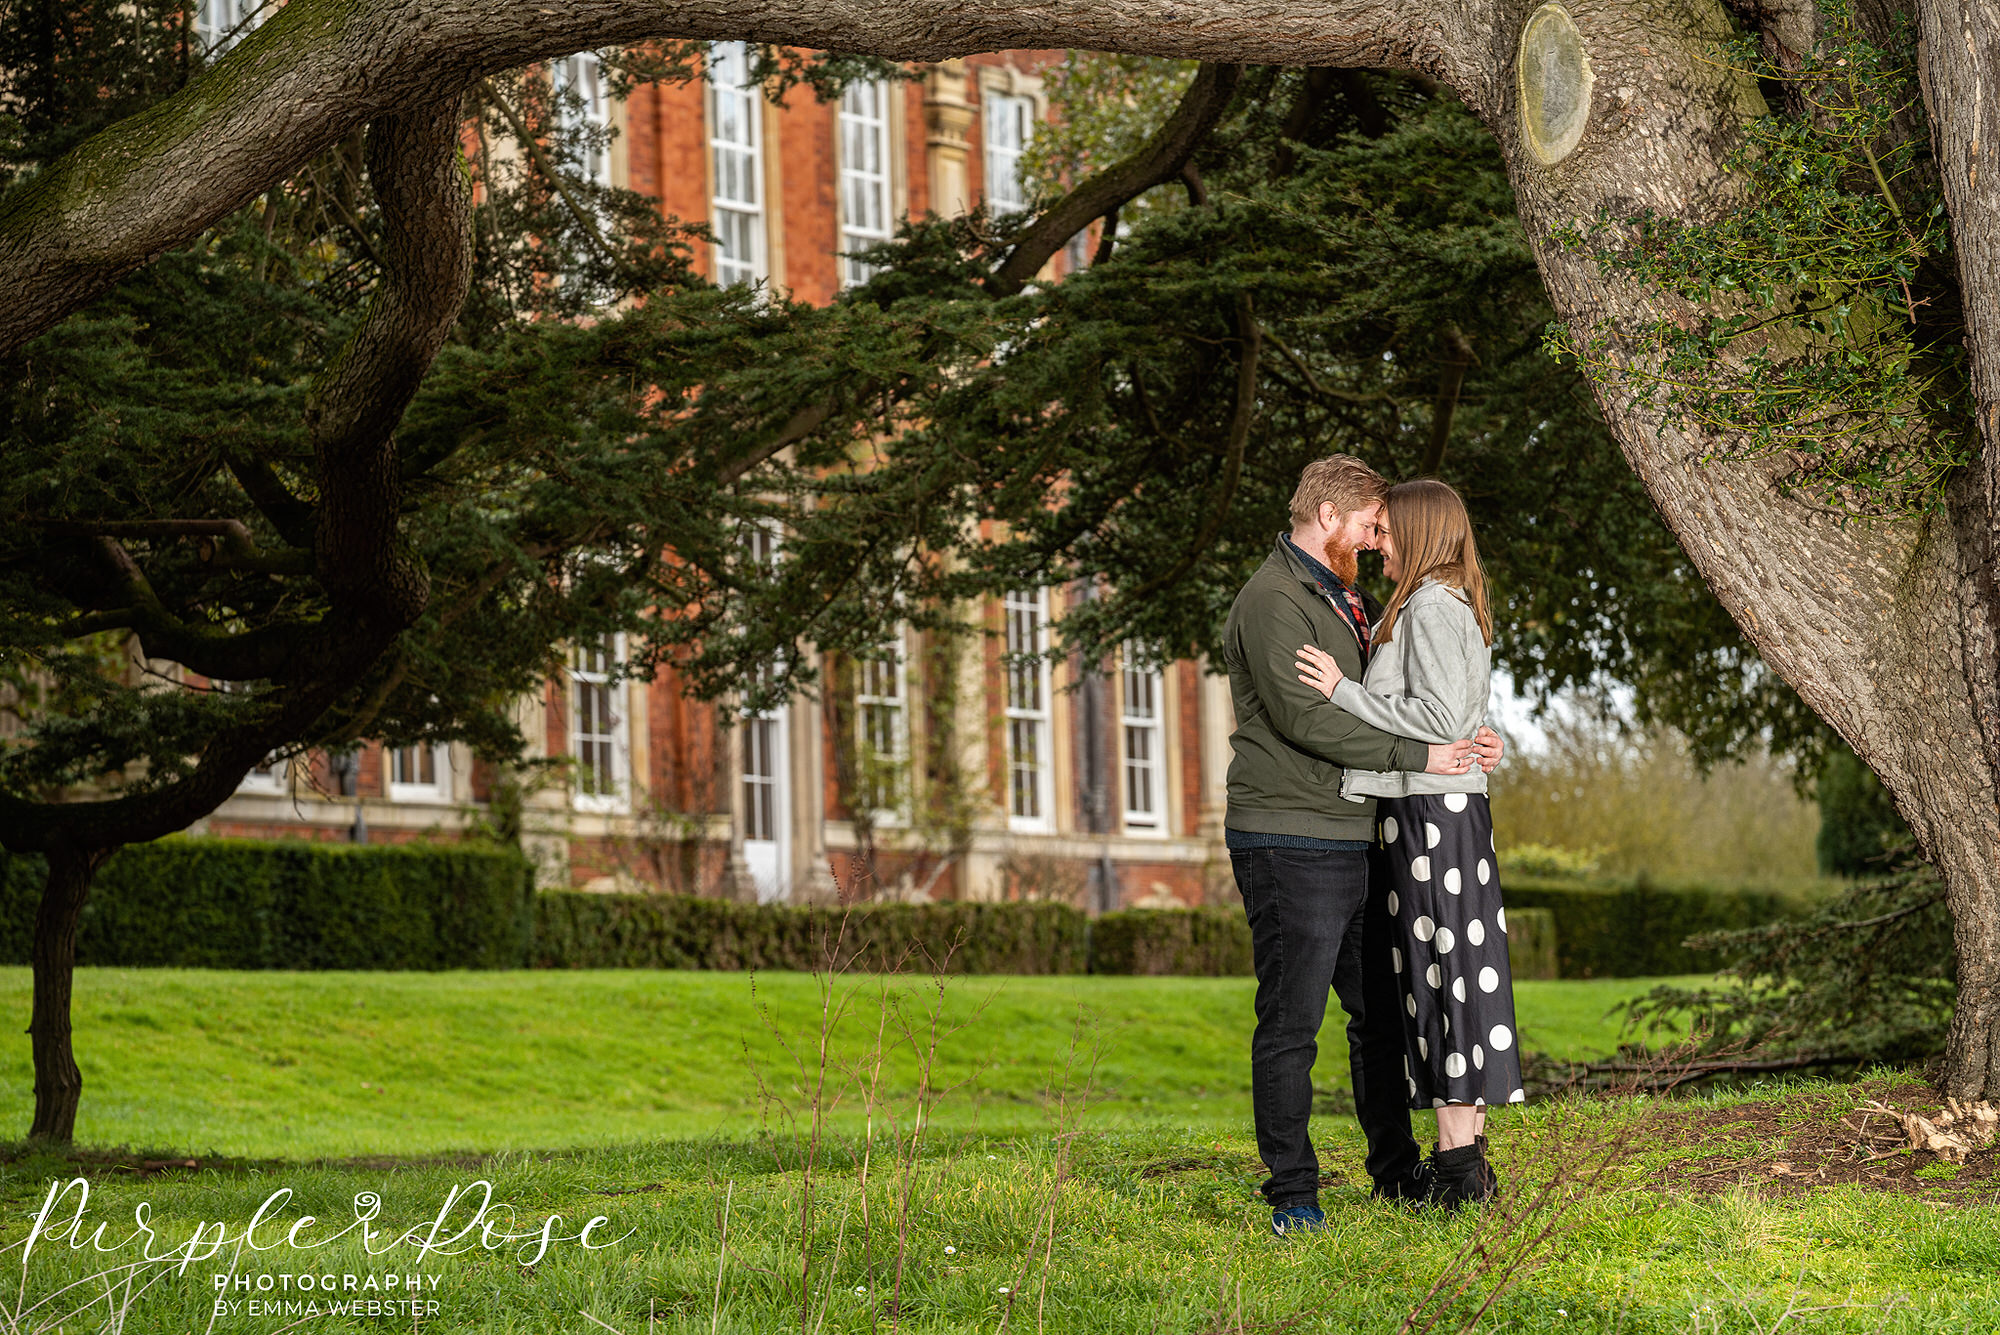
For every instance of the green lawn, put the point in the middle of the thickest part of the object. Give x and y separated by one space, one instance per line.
1113 1231
1015 1211
302 1065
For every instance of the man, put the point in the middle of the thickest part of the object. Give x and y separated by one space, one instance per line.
1299 849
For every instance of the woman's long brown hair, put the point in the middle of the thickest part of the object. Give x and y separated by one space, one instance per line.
1433 537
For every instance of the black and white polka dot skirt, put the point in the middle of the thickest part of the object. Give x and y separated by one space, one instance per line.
1437 861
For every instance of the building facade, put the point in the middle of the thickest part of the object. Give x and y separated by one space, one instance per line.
945 767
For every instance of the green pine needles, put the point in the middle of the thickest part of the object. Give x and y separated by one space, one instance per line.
1821 319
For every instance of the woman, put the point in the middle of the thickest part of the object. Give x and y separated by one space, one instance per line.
1428 679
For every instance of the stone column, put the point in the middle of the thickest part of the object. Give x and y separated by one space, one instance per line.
948 119
545 809
973 720
1218 720
737 884
812 878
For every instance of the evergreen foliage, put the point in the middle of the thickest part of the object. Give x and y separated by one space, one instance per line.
1361 232
1361 228
1860 828
1870 976
1825 326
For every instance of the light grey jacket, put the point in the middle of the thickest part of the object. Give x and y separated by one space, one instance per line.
1431 681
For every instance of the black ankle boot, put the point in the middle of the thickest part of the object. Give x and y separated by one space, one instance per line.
1459 1176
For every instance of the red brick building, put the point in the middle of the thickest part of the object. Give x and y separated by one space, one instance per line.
981 775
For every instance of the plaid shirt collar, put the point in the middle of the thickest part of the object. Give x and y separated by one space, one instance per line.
1347 601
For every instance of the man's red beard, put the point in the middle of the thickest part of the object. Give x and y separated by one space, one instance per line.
1343 561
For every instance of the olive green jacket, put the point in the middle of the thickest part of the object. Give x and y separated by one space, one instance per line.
1291 743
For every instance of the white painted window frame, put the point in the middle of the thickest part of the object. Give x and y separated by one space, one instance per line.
439 789
763 543
893 658
1028 686
1142 716
1009 128
617 690
867 199
736 166
582 74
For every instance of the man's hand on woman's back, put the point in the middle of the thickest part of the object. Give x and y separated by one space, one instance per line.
1450 758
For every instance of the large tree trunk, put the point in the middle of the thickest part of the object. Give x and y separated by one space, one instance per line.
1887 628
58 1082
1959 62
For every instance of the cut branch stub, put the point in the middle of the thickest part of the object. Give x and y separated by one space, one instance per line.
1553 74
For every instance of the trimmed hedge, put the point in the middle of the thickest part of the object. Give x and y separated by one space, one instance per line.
1215 943
1635 929
1532 952
289 904
1186 943
574 930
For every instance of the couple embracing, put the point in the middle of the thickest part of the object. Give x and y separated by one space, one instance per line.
1360 837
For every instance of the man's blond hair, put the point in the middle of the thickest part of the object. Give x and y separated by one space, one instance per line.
1339 479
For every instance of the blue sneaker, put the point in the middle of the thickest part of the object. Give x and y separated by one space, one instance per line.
1305 1218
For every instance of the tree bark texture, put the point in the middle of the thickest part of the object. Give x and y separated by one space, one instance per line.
58 1082
1958 60
1887 628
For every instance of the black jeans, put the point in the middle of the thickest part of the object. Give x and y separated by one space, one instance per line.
1314 926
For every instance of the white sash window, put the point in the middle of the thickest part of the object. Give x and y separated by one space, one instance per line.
763 777
1030 799
882 721
736 153
600 734
420 773
1141 718
767 811
864 174
1010 124
583 108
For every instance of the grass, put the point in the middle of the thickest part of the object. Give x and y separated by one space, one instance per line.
307 1065
1015 1211
1142 1229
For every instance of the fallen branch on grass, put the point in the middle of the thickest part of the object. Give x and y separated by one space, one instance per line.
1658 1076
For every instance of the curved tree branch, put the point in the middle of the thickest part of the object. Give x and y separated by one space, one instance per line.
1159 160
1451 379
1106 240
1251 334
320 69
355 406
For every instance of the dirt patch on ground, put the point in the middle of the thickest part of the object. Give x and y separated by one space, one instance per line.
1226 1164
1800 1141
92 1163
